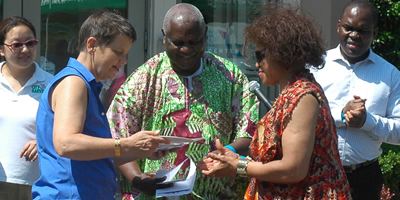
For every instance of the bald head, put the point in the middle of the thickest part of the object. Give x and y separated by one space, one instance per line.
181 14
363 4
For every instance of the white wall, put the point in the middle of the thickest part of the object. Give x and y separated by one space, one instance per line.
137 17
326 13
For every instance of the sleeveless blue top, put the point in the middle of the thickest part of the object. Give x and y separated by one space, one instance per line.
63 178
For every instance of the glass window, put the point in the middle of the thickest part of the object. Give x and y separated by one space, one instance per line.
60 23
226 20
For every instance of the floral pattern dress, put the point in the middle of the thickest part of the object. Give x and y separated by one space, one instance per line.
326 177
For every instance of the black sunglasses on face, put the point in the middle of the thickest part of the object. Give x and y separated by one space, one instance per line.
19 45
259 55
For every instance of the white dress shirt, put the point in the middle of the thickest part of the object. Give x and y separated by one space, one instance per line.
374 79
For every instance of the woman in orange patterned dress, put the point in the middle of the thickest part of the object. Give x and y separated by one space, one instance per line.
294 153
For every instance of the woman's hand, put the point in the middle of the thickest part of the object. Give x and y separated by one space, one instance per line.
222 164
29 151
143 143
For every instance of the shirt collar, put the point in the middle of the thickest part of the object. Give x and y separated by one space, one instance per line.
37 76
337 56
86 74
73 63
198 71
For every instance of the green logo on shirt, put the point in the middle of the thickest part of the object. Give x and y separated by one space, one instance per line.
38 88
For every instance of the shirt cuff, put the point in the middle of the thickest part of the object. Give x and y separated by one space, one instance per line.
370 122
339 122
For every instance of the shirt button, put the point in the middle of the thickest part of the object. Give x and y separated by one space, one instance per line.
102 113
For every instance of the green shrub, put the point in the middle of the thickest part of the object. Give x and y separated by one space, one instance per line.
390 166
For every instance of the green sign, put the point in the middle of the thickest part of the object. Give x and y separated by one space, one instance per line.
50 6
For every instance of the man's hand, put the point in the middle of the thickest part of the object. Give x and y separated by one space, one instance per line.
148 184
29 151
355 112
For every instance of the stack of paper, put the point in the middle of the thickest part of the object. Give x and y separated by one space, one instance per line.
181 187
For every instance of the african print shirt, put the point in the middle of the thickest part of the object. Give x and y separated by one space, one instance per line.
219 105
326 178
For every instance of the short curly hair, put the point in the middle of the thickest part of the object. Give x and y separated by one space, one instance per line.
289 36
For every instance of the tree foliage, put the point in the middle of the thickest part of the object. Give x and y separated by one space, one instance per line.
390 166
387 43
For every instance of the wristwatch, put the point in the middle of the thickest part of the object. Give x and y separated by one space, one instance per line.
241 167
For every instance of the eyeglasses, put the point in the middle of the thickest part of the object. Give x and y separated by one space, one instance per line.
259 55
18 45
179 44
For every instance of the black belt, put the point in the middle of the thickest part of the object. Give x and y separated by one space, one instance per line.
354 167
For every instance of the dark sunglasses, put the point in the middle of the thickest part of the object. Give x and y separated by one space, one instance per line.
259 55
19 45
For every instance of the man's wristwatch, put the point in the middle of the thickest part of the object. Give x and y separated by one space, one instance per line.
241 167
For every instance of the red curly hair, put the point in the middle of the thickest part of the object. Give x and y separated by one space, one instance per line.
289 36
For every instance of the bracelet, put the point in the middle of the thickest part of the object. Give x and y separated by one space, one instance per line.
231 148
234 151
343 118
241 167
117 145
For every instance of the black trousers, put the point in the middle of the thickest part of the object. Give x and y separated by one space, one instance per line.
366 182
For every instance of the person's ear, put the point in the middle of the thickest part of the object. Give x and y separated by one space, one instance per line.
338 26
2 51
164 37
376 30
91 44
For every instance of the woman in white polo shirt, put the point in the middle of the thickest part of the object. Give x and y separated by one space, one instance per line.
22 82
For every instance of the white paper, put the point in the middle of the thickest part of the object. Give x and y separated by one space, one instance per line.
181 187
177 142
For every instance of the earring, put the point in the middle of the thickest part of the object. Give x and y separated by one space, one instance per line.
92 50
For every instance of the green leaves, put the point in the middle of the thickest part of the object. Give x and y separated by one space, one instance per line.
387 43
390 166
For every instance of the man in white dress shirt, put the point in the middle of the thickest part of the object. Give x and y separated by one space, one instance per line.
363 91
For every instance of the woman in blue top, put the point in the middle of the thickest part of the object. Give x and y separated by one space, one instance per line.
76 152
